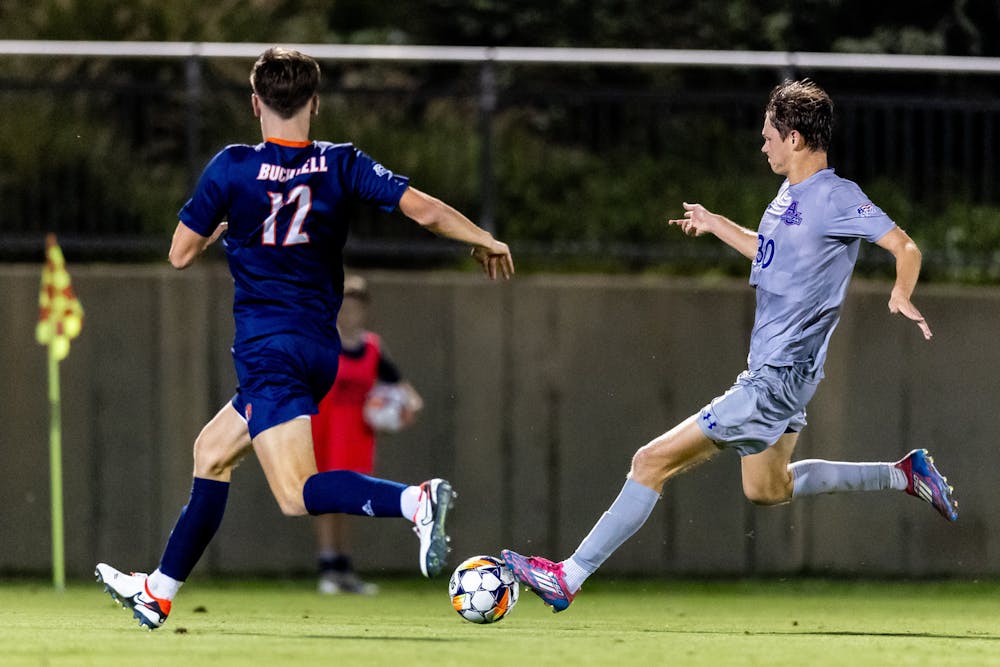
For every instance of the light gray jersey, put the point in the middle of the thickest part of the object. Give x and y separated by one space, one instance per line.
807 244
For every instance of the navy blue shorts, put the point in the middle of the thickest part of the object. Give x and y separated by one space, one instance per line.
759 408
282 377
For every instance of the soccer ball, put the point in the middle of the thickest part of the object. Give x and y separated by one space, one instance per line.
483 589
385 408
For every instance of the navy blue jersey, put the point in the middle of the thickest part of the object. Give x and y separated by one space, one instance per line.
287 205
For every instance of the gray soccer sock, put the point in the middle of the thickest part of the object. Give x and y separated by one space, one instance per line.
625 516
814 476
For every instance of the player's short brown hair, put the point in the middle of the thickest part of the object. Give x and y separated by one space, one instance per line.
285 80
804 107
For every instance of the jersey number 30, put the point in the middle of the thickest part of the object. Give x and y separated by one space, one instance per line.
765 251
301 194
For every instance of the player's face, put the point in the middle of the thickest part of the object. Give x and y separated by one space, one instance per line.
777 150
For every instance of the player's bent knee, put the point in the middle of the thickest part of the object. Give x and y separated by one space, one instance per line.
215 458
766 495
651 466
766 501
293 509
292 506
642 463
289 495
207 462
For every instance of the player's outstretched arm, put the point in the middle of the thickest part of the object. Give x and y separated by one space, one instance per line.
440 218
908 260
699 220
188 244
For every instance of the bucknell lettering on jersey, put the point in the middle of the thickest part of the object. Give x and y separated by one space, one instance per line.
274 172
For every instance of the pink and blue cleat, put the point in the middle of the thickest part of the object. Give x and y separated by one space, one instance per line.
542 576
925 482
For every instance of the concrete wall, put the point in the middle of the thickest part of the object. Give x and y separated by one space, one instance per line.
537 391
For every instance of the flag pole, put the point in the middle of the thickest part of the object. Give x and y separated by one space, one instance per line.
60 317
55 472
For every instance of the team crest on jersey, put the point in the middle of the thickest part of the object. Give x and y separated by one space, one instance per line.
791 216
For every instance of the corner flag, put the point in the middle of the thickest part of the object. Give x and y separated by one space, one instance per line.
60 318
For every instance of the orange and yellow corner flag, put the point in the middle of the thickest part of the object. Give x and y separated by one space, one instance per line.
60 315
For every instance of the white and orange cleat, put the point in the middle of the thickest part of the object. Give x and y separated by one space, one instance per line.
436 498
131 592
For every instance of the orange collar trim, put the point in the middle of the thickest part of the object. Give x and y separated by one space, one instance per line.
286 142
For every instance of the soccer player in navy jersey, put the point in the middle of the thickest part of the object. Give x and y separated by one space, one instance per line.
802 255
281 207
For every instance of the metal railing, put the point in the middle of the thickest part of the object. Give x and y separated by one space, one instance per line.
157 110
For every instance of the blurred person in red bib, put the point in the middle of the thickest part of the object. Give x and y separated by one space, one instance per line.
344 430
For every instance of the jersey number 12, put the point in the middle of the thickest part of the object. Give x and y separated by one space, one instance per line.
303 195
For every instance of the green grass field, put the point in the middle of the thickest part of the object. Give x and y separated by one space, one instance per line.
779 622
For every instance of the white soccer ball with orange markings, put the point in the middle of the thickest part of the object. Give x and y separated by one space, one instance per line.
386 408
483 589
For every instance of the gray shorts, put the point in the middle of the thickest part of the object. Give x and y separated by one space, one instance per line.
759 408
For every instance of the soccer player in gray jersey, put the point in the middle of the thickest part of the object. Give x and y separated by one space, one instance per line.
802 254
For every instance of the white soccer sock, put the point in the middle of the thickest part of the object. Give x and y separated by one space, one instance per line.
814 476
574 575
409 501
162 586
625 516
